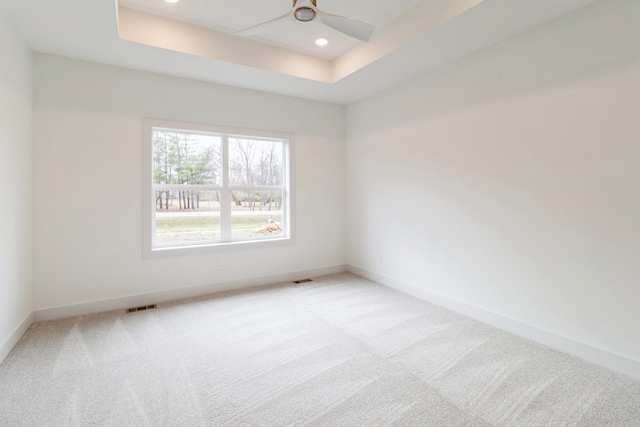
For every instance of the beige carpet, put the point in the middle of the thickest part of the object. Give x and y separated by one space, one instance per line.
333 352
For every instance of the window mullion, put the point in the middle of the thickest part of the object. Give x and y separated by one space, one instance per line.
257 188
176 160
179 187
225 194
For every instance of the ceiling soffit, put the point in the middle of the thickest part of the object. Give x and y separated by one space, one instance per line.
191 39
432 34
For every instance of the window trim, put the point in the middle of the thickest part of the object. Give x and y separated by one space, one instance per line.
148 201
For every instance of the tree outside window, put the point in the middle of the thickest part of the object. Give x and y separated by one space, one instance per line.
211 188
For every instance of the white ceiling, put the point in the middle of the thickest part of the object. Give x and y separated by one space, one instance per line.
193 39
229 16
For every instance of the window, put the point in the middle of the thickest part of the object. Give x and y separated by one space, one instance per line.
209 186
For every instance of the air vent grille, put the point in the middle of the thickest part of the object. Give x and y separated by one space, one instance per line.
141 308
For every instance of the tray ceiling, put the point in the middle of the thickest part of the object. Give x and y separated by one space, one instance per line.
194 39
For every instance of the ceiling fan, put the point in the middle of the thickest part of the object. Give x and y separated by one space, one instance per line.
307 11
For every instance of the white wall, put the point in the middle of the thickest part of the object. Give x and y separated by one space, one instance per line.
87 196
15 187
510 180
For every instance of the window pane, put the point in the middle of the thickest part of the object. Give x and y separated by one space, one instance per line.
191 169
256 214
187 217
185 158
255 162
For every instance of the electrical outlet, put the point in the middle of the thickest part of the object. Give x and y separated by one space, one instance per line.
219 264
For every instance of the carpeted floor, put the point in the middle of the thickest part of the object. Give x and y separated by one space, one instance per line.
336 351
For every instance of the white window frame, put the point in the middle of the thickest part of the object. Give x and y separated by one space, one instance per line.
151 250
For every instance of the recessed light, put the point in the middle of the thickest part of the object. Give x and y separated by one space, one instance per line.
322 41
172 1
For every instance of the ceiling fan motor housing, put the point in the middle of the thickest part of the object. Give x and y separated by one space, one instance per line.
304 14
313 2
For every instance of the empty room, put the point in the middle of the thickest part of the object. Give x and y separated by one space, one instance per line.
319 212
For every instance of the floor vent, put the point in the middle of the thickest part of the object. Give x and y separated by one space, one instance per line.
142 308
302 281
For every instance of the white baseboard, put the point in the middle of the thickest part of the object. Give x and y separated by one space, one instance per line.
590 353
175 294
14 337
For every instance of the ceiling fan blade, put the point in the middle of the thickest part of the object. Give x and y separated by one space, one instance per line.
356 29
256 28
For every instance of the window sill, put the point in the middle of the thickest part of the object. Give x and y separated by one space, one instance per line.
214 248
